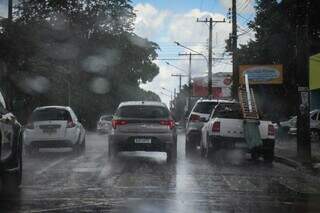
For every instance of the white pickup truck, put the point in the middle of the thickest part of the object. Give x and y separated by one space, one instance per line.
225 129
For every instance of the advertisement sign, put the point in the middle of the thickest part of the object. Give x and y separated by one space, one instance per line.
261 74
314 76
221 85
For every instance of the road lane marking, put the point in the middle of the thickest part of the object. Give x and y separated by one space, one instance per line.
50 166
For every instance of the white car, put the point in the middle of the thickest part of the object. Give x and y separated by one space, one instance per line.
290 125
225 129
199 114
54 127
104 124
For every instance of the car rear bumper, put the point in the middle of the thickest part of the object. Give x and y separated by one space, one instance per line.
228 142
51 143
126 142
30 138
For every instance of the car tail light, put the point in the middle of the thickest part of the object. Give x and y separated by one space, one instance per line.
30 126
194 118
271 130
116 123
169 123
216 127
71 124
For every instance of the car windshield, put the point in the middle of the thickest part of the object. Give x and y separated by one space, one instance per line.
144 106
50 115
148 112
204 107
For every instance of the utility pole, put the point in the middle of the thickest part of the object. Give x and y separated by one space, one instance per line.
180 78
211 21
189 74
10 10
234 43
302 43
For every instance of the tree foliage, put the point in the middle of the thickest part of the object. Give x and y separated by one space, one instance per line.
87 46
275 42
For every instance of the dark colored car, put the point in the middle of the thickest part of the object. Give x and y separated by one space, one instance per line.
10 150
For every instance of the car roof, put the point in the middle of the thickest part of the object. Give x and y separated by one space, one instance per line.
216 100
53 107
142 103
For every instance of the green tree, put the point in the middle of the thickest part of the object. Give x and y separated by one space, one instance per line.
88 46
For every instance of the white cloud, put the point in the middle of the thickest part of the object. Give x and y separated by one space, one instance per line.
149 20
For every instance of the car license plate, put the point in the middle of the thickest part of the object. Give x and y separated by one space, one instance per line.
142 140
50 131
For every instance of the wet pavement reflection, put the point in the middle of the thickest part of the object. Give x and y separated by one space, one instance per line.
60 181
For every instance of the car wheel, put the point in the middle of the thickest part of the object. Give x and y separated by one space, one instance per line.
255 155
190 146
112 151
202 150
12 181
172 153
268 156
83 145
314 135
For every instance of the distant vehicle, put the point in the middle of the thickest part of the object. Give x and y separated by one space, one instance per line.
54 127
290 126
143 126
104 124
200 114
10 150
225 129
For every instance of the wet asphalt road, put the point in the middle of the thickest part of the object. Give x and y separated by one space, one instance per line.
59 181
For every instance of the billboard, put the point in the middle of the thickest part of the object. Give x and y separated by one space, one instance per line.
261 74
314 75
221 85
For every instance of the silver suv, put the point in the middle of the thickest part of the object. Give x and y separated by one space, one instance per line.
143 126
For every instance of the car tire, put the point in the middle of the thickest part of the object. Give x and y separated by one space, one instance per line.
112 151
190 146
172 153
202 150
12 181
83 145
314 135
255 155
268 151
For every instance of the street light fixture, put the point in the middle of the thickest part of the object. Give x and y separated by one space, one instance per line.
178 68
185 47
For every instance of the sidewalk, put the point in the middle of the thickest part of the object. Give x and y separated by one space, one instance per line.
286 149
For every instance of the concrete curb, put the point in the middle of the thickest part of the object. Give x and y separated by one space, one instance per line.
287 162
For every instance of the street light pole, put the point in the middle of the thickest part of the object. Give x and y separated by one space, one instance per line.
10 16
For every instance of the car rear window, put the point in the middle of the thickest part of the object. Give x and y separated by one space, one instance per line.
51 115
205 107
142 112
228 111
